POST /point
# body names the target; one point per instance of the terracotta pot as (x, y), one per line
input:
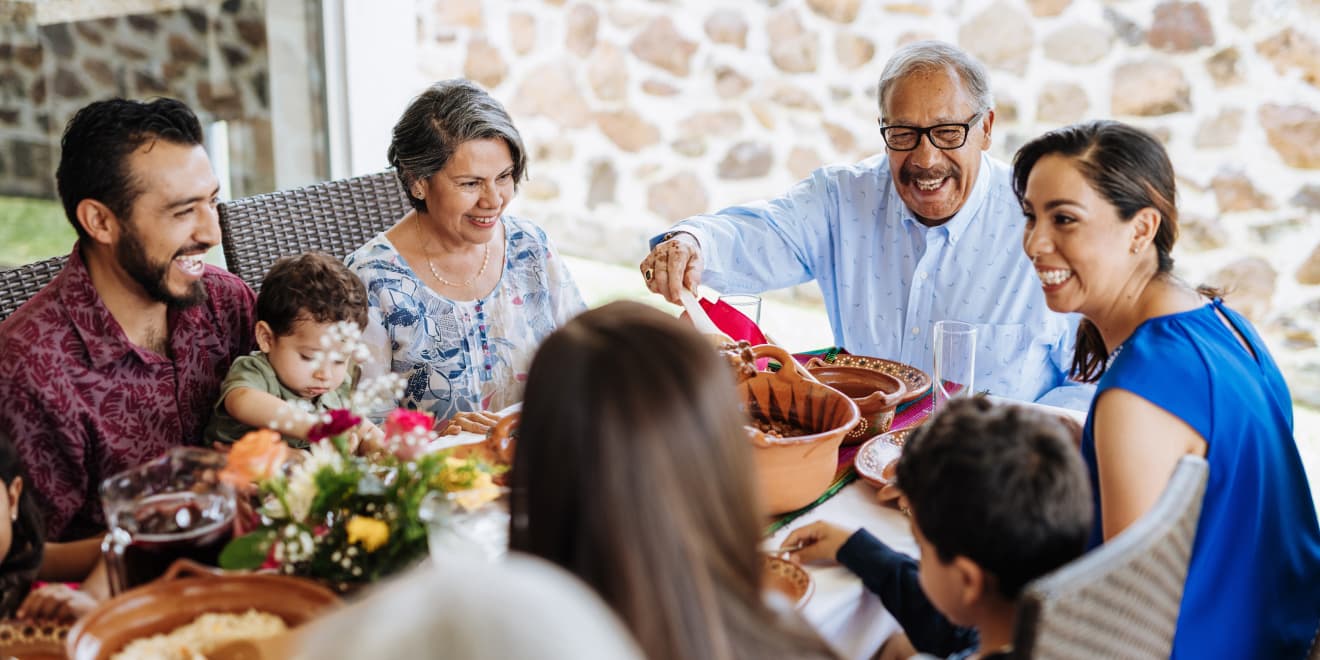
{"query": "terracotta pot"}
(793, 471)
(876, 394)
(186, 591)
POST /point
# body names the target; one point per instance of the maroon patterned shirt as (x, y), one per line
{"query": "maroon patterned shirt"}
(82, 402)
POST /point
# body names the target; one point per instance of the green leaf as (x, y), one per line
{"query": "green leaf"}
(247, 552)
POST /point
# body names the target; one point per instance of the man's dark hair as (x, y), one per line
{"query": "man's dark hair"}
(312, 286)
(1001, 485)
(98, 141)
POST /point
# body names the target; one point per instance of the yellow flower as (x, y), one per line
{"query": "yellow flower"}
(371, 532)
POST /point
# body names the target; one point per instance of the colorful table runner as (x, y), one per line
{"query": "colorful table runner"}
(907, 416)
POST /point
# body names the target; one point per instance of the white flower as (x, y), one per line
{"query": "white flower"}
(301, 484)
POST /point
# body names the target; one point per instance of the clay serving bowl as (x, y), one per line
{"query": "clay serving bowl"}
(793, 470)
(915, 380)
(877, 395)
(786, 579)
(187, 591)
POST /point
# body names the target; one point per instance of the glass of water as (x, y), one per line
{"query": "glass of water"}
(748, 304)
(955, 360)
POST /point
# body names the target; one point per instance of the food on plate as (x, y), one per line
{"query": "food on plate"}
(205, 634)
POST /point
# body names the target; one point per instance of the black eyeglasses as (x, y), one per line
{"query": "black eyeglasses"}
(942, 136)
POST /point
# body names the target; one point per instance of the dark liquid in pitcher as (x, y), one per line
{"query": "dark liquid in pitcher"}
(175, 526)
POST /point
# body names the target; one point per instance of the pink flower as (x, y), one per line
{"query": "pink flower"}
(402, 422)
(341, 420)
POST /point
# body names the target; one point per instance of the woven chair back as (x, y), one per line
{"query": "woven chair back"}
(19, 284)
(1120, 600)
(335, 217)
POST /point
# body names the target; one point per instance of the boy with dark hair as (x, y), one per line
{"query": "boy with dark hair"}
(998, 496)
(307, 307)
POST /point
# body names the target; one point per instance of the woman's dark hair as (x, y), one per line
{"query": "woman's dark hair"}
(633, 471)
(440, 119)
(27, 537)
(98, 141)
(314, 286)
(1130, 169)
(1001, 485)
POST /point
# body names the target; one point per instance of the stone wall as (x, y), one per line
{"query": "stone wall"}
(638, 113)
(210, 53)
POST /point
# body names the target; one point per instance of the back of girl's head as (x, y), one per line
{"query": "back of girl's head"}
(18, 567)
(1130, 169)
(633, 471)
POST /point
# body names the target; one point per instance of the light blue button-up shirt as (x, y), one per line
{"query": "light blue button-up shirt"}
(886, 278)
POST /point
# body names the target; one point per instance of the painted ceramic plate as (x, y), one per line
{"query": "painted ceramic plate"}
(876, 458)
(916, 380)
(787, 582)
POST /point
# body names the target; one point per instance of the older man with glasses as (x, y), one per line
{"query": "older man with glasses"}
(928, 231)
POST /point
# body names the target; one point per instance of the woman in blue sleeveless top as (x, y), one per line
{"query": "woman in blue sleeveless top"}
(1178, 373)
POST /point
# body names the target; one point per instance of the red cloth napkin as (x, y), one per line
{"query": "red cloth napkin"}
(732, 322)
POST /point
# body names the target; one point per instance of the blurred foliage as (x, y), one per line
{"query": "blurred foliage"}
(32, 229)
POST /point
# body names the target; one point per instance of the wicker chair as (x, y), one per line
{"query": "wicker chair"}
(1120, 600)
(17, 285)
(335, 217)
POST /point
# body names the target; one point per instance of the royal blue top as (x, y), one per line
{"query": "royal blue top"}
(1253, 585)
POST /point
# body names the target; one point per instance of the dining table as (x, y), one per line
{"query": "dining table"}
(850, 618)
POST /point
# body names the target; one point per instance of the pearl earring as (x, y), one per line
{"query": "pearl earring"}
(1136, 249)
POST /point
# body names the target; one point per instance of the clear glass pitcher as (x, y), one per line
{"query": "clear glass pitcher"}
(172, 507)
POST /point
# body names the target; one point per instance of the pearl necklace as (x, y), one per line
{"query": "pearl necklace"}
(426, 250)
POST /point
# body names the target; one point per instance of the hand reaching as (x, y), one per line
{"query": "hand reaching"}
(56, 602)
(819, 541)
(673, 265)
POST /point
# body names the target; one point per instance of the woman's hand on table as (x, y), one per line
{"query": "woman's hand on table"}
(480, 422)
(818, 541)
(56, 602)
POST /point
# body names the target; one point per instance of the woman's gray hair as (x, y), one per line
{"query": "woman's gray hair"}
(936, 55)
(440, 119)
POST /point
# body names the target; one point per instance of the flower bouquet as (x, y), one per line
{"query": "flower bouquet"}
(333, 515)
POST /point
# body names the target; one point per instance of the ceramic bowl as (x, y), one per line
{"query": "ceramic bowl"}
(915, 380)
(41, 640)
(786, 579)
(187, 591)
(876, 459)
(793, 471)
(876, 393)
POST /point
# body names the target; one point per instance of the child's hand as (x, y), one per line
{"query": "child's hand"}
(369, 439)
(56, 602)
(819, 541)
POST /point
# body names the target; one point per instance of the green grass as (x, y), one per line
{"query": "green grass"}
(31, 230)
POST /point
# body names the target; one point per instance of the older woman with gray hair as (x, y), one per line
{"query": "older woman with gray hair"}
(460, 293)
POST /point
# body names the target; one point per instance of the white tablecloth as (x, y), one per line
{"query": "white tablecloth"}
(848, 616)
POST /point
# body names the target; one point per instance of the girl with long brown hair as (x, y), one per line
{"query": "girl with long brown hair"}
(633, 471)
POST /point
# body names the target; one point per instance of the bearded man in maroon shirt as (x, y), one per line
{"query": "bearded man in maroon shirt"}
(121, 356)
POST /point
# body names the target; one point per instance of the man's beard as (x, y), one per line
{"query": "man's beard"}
(154, 277)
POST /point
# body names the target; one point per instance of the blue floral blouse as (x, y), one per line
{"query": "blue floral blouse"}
(464, 355)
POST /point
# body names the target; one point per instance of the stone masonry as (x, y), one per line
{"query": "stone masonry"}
(638, 113)
(210, 54)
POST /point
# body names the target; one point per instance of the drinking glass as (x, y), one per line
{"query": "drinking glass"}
(955, 360)
(748, 304)
(170, 508)
(456, 530)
